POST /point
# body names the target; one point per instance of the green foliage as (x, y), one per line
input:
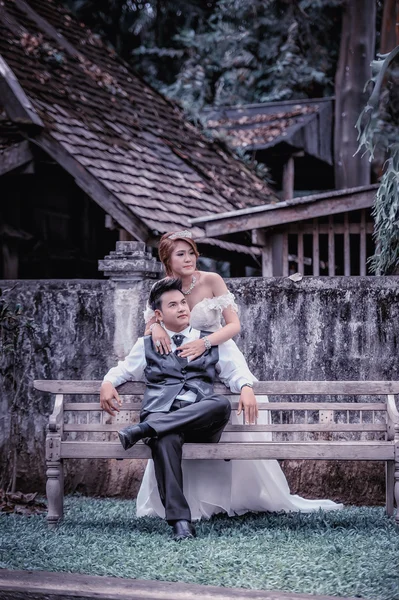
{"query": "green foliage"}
(386, 217)
(257, 51)
(143, 32)
(378, 127)
(224, 51)
(319, 553)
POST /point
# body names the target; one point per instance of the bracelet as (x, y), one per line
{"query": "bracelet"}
(207, 343)
(247, 385)
(153, 325)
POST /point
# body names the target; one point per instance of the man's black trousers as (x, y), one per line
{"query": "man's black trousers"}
(199, 422)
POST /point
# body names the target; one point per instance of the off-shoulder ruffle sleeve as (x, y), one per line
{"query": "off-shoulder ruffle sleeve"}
(148, 314)
(222, 302)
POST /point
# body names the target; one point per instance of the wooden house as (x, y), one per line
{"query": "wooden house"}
(293, 138)
(90, 154)
(315, 229)
(321, 234)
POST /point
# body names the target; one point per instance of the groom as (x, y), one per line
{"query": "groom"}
(179, 403)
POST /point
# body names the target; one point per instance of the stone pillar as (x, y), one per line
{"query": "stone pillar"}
(128, 267)
(130, 262)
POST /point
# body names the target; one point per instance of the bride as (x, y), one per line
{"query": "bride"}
(214, 486)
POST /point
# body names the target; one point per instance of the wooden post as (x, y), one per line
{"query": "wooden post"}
(285, 255)
(300, 250)
(263, 238)
(355, 55)
(347, 250)
(125, 236)
(316, 248)
(267, 258)
(390, 26)
(331, 247)
(277, 254)
(288, 179)
(363, 240)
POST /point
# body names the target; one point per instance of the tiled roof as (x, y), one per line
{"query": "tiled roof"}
(126, 135)
(305, 124)
(260, 130)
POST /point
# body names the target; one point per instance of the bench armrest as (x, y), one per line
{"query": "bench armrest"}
(56, 420)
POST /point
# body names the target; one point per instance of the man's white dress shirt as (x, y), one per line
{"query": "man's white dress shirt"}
(231, 372)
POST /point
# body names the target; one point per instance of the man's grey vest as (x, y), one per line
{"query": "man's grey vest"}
(167, 376)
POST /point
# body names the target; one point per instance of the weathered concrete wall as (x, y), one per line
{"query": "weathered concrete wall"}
(82, 326)
(318, 328)
(322, 329)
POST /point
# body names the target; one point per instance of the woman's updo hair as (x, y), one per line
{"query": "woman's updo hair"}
(166, 247)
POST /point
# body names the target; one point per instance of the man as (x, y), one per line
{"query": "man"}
(179, 403)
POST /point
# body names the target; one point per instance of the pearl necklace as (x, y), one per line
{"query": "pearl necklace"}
(192, 285)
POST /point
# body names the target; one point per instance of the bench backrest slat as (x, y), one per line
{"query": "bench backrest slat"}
(350, 388)
(270, 406)
(109, 427)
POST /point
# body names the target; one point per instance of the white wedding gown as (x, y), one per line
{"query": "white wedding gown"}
(235, 487)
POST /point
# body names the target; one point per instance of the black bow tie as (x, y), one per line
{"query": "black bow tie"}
(178, 339)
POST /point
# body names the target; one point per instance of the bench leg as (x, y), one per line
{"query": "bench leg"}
(55, 492)
(396, 488)
(389, 487)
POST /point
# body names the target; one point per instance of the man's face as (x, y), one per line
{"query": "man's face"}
(174, 312)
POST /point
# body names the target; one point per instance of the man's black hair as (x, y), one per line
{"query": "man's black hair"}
(160, 288)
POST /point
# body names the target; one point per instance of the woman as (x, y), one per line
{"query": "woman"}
(210, 486)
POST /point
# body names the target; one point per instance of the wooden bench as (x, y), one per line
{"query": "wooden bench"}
(298, 430)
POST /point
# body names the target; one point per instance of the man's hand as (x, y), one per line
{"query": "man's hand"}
(249, 404)
(108, 396)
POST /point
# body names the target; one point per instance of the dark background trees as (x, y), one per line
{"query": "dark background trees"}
(224, 51)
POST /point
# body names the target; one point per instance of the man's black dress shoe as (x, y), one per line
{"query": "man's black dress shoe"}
(129, 436)
(183, 530)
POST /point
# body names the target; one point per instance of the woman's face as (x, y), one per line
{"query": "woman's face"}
(183, 260)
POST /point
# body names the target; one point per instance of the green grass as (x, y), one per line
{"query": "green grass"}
(353, 552)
